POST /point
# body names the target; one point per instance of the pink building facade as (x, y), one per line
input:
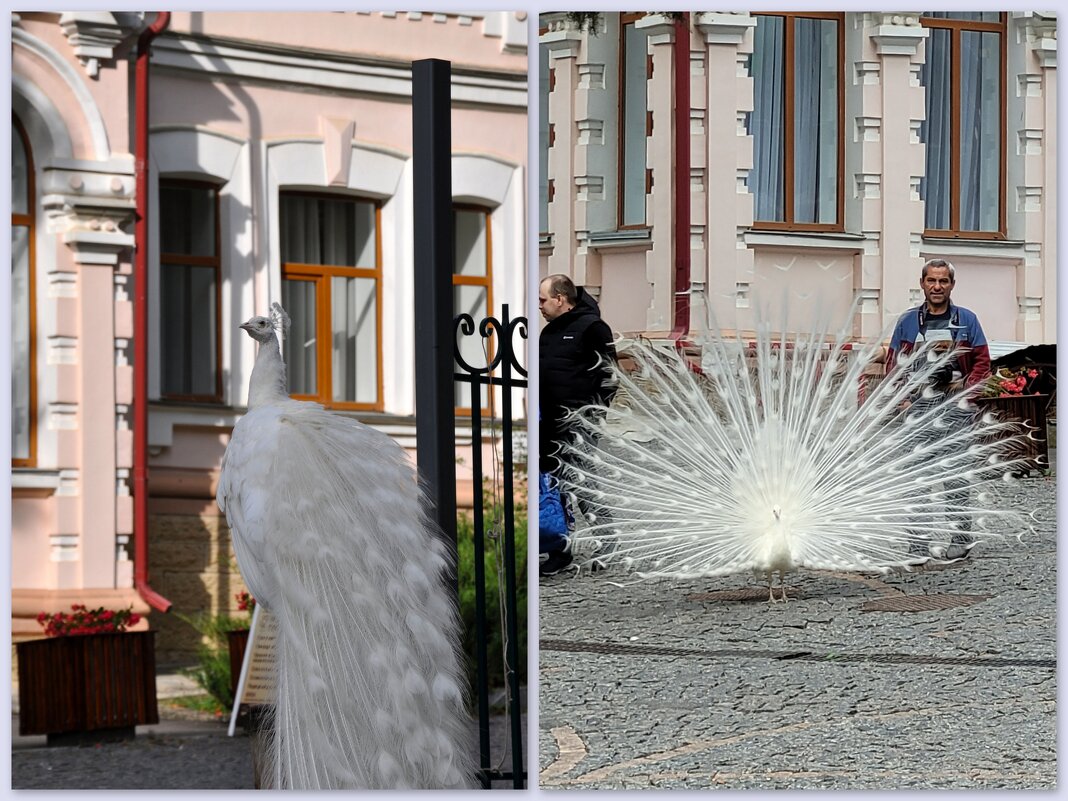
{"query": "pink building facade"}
(823, 156)
(280, 168)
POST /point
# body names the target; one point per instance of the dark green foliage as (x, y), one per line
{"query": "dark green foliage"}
(212, 671)
(494, 516)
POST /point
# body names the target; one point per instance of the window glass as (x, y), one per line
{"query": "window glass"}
(187, 219)
(767, 119)
(815, 121)
(20, 341)
(330, 275)
(470, 242)
(20, 174)
(635, 106)
(543, 138)
(189, 290)
(298, 298)
(188, 318)
(936, 128)
(980, 130)
(962, 75)
(334, 231)
(354, 338)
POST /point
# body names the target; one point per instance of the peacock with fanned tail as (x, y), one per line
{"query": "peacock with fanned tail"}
(332, 538)
(762, 458)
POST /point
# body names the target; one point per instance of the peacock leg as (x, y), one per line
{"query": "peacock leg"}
(782, 585)
(771, 590)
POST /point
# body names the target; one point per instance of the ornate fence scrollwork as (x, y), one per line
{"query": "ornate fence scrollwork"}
(502, 369)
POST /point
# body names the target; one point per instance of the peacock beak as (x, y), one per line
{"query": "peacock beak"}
(246, 325)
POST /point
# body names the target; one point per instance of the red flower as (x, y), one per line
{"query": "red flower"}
(1032, 373)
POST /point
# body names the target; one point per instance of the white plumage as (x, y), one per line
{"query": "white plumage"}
(767, 462)
(332, 538)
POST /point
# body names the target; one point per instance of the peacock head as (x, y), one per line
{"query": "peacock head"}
(260, 329)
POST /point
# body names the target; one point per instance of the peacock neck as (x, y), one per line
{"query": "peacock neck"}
(268, 382)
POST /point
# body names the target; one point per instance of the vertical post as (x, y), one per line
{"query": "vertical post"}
(433, 250)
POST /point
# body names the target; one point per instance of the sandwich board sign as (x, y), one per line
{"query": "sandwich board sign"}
(256, 684)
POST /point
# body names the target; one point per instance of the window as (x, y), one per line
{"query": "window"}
(796, 122)
(472, 282)
(963, 187)
(544, 137)
(634, 174)
(23, 317)
(331, 288)
(190, 284)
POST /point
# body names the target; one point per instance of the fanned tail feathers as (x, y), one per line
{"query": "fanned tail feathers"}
(764, 458)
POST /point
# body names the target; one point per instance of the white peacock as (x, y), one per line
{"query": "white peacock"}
(763, 458)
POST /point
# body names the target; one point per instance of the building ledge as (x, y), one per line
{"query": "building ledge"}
(38, 481)
(625, 238)
(822, 240)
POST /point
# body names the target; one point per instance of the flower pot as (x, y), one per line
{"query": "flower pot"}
(1024, 408)
(237, 640)
(103, 683)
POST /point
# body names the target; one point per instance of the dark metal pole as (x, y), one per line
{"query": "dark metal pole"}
(432, 179)
(511, 613)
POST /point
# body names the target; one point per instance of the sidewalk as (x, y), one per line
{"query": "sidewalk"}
(703, 684)
(184, 751)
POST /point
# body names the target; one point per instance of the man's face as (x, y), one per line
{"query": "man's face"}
(551, 306)
(937, 286)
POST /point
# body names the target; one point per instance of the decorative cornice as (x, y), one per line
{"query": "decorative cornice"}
(1040, 32)
(563, 36)
(94, 35)
(212, 56)
(660, 28)
(898, 33)
(725, 27)
(89, 208)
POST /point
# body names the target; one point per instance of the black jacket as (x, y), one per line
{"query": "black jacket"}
(573, 351)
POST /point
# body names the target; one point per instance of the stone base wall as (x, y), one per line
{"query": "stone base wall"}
(192, 564)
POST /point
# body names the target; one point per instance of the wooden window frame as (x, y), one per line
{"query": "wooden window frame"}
(550, 84)
(29, 220)
(626, 19)
(487, 282)
(321, 275)
(956, 27)
(215, 262)
(788, 126)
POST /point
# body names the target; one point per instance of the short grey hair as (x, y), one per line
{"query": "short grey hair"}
(939, 263)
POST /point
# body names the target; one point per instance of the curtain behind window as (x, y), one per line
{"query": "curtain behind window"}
(188, 291)
(936, 129)
(20, 340)
(632, 135)
(815, 121)
(980, 131)
(21, 275)
(543, 138)
(766, 120)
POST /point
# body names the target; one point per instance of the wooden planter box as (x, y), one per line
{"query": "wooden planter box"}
(237, 639)
(1029, 408)
(87, 683)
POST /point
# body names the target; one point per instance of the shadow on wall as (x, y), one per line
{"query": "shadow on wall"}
(191, 558)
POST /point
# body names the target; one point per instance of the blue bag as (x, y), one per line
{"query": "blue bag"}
(552, 521)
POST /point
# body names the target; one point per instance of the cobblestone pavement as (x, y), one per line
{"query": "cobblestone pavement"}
(757, 696)
(177, 754)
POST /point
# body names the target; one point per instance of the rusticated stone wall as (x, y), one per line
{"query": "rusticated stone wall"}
(192, 564)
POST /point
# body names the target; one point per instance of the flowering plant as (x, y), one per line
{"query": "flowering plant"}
(81, 620)
(245, 602)
(1008, 382)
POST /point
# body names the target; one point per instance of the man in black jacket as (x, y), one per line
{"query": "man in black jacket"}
(574, 350)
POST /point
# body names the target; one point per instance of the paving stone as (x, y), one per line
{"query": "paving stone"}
(751, 722)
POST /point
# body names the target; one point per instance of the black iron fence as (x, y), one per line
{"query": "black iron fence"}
(501, 373)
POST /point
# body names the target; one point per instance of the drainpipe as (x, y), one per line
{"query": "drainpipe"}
(682, 180)
(140, 400)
